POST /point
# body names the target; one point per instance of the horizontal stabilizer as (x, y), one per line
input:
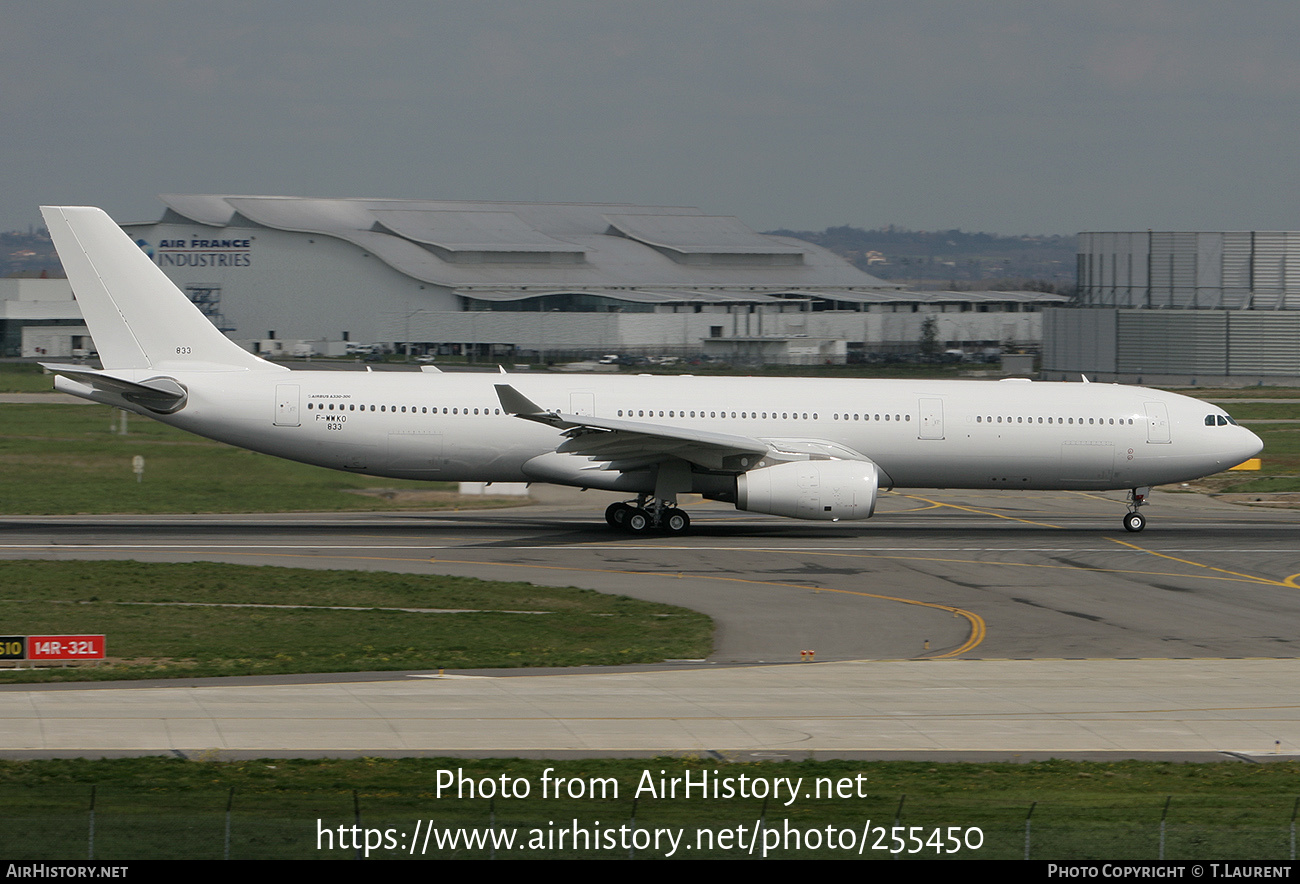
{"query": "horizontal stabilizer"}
(162, 395)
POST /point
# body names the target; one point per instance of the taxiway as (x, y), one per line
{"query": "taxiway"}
(971, 622)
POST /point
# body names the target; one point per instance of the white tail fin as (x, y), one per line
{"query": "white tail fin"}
(138, 318)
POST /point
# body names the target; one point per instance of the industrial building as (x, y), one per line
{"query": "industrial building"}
(546, 280)
(1175, 307)
(39, 318)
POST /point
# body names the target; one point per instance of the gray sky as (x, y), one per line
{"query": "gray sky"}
(1040, 116)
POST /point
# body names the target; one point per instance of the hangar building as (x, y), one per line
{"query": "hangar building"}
(1173, 307)
(39, 319)
(501, 279)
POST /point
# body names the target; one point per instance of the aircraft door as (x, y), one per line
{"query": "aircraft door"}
(286, 405)
(931, 419)
(1157, 422)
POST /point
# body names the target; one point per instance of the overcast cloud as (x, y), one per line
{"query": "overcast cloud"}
(1009, 117)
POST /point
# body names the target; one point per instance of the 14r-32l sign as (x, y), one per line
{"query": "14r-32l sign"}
(52, 647)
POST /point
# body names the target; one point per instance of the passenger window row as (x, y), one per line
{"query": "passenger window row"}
(744, 415)
(873, 417)
(400, 409)
(988, 419)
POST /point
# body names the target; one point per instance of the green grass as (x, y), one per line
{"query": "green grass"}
(67, 459)
(1265, 485)
(167, 807)
(173, 620)
(1280, 470)
(24, 377)
(1280, 465)
(1257, 392)
(1263, 410)
(1280, 458)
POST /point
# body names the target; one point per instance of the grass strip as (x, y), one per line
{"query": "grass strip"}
(57, 459)
(25, 377)
(167, 807)
(174, 620)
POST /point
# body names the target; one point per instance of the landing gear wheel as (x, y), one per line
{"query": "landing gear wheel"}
(676, 522)
(638, 521)
(616, 514)
(1134, 522)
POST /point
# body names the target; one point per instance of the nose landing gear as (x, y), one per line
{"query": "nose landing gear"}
(1134, 521)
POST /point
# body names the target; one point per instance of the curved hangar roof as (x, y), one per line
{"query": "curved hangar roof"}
(504, 251)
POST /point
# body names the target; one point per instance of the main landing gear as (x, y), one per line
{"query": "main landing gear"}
(1134, 521)
(647, 514)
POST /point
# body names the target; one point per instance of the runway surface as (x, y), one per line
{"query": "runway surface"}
(986, 622)
(959, 709)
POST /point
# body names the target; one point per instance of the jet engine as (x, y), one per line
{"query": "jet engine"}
(827, 490)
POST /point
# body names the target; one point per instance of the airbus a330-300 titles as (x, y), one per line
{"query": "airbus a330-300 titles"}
(803, 448)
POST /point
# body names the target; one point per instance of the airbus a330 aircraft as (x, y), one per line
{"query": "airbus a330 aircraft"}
(803, 448)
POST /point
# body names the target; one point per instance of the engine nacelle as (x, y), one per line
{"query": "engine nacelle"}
(827, 490)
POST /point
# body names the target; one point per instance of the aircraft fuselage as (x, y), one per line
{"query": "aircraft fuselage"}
(806, 448)
(953, 434)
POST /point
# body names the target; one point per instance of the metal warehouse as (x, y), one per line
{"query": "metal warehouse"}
(1181, 307)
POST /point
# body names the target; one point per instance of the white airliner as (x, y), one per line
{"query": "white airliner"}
(804, 448)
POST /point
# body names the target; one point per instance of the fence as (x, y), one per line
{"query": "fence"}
(79, 822)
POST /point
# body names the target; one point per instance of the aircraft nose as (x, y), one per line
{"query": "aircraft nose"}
(1251, 445)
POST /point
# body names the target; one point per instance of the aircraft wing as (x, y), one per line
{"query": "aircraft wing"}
(629, 444)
